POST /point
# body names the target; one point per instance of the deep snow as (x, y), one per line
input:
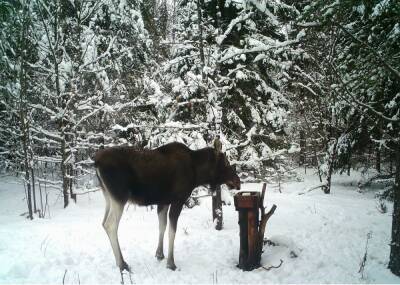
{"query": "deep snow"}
(326, 232)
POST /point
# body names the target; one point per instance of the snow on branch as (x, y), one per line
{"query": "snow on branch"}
(84, 118)
(169, 125)
(258, 49)
(43, 108)
(306, 87)
(379, 57)
(40, 130)
(103, 55)
(394, 119)
(394, 71)
(242, 17)
(308, 25)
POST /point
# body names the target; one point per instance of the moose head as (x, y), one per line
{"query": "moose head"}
(226, 172)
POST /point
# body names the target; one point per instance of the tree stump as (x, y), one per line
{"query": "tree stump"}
(250, 205)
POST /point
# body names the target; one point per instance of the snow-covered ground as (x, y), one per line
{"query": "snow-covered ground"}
(327, 233)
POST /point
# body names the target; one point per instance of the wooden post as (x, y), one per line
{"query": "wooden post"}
(252, 233)
(244, 250)
(217, 207)
(216, 190)
(252, 229)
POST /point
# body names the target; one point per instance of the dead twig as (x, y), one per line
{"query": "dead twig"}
(322, 186)
(89, 191)
(364, 260)
(65, 273)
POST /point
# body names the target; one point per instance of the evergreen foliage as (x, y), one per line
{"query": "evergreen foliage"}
(281, 82)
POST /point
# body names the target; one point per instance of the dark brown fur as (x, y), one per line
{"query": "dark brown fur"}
(163, 175)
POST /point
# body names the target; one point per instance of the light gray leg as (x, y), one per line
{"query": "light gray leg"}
(112, 217)
(107, 211)
(162, 211)
(174, 213)
(106, 196)
(111, 226)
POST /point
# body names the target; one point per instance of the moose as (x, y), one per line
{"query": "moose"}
(166, 177)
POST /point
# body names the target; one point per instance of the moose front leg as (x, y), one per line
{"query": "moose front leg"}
(162, 211)
(174, 213)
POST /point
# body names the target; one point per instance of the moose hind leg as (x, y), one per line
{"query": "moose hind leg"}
(111, 226)
(162, 211)
(106, 196)
(107, 210)
(174, 213)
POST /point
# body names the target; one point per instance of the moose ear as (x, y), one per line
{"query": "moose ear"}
(217, 145)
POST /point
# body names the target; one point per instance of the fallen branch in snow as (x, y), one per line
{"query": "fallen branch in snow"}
(322, 186)
(364, 260)
(24, 214)
(272, 266)
(381, 206)
(88, 191)
(65, 273)
(379, 178)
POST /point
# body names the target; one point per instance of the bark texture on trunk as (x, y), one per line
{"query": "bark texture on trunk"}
(331, 164)
(394, 262)
(217, 207)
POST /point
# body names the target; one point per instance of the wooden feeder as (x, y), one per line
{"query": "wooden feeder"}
(252, 228)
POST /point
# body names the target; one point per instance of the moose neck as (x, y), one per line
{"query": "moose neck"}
(204, 166)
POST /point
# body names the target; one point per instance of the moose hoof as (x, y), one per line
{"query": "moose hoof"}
(171, 266)
(124, 266)
(160, 255)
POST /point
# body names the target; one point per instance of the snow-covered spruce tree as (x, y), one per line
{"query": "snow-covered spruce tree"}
(107, 53)
(92, 57)
(234, 75)
(9, 134)
(17, 52)
(155, 19)
(181, 114)
(365, 74)
(129, 111)
(343, 140)
(257, 52)
(54, 105)
(368, 76)
(315, 106)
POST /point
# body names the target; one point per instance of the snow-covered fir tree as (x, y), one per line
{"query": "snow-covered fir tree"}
(365, 70)
(228, 69)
